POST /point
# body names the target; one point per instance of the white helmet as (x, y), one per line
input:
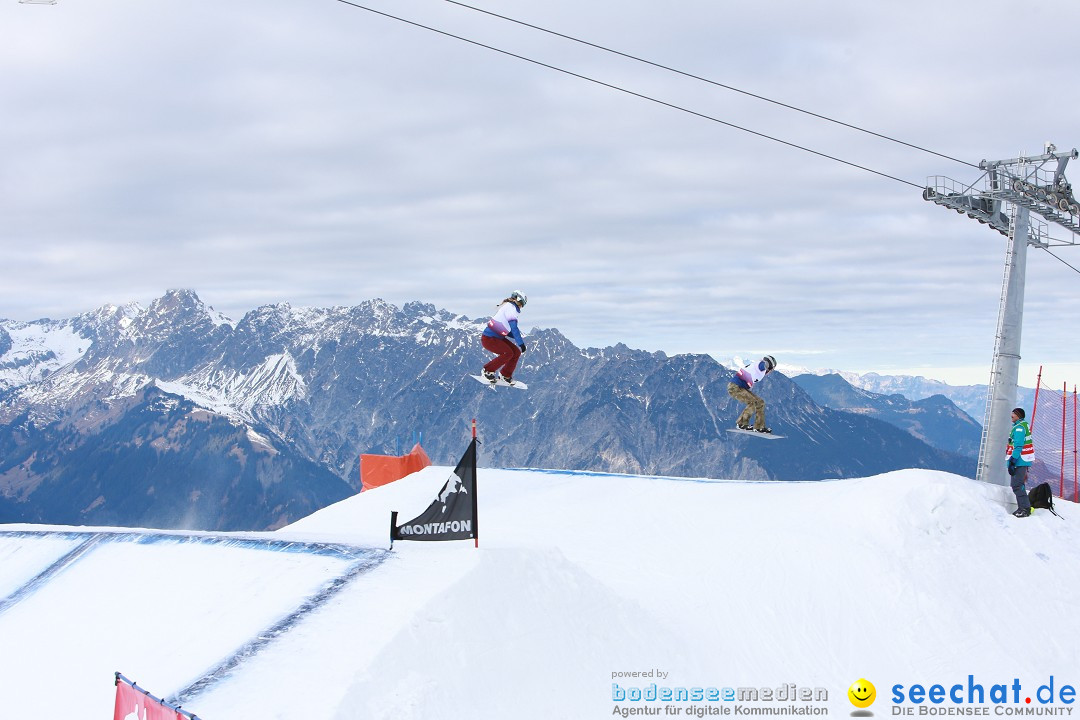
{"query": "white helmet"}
(519, 298)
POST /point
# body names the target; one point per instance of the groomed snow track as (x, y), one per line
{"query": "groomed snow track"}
(43, 567)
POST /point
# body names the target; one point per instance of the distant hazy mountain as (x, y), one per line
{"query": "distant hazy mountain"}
(934, 420)
(969, 398)
(174, 416)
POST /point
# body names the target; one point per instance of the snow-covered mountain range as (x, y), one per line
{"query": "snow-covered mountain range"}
(218, 424)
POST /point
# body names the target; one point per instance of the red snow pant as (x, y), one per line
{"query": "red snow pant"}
(506, 352)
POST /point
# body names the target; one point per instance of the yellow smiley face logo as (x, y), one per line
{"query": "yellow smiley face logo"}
(862, 693)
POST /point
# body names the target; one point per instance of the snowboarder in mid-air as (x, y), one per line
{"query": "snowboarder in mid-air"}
(502, 337)
(740, 388)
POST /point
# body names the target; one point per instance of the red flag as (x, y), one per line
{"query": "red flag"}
(132, 704)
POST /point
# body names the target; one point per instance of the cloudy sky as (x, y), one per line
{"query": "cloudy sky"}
(317, 153)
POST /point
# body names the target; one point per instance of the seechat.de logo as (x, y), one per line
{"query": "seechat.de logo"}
(862, 693)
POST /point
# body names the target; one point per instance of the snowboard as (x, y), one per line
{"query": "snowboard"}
(500, 382)
(755, 433)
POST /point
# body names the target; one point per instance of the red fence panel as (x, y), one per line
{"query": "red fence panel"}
(1054, 433)
(377, 470)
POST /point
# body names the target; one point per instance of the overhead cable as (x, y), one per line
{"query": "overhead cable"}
(1075, 270)
(630, 92)
(711, 82)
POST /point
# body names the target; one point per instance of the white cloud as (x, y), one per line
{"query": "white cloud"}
(321, 154)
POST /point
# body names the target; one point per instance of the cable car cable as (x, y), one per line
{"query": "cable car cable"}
(631, 92)
(1075, 270)
(711, 82)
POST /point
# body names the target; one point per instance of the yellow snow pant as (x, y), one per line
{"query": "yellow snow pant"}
(754, 406)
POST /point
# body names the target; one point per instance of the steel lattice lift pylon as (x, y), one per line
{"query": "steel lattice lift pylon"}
(1005, 197)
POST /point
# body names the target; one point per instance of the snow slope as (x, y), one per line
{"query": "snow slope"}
(909, 577)
(37, 349)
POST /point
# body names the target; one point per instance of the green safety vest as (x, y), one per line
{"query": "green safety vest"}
(1027, 450)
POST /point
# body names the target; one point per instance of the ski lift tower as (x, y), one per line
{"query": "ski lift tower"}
(1005, 198)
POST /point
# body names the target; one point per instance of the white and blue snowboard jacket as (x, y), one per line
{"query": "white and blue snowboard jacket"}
(746, 377)
(504, 323)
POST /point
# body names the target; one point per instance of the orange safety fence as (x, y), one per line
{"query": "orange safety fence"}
(1053, 423)
(377, 470)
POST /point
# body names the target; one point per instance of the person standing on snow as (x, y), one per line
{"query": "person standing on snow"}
(502, 337)
(1021, 453)
(740, 388)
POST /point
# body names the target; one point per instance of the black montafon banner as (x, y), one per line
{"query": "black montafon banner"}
(453, 514)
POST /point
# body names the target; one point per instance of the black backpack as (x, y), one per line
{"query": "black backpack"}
(1041, 496)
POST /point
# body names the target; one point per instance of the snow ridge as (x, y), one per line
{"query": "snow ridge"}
(226, 667)
(240, 394)
(38, 349)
